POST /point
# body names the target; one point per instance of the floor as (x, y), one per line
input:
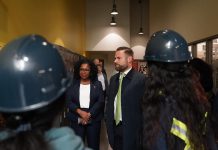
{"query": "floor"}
(103, 139)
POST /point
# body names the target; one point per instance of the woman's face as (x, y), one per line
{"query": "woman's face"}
(84, 71)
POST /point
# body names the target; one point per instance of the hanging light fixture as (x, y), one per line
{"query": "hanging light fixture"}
(114, 10)
(141, 11)
(113, 22)
(141, 31)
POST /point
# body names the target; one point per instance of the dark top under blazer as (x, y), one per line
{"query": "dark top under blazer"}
(133, 86)
(96, 106)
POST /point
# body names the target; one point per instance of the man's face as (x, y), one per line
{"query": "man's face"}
(96, 62)
(99, 67)
(121, 61)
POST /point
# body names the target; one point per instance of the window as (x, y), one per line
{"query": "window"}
(201, 50)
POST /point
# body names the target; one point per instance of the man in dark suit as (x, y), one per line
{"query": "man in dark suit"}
(102, 75)
(123, 111)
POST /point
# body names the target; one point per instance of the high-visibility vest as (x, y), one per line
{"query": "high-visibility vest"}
(179, 129)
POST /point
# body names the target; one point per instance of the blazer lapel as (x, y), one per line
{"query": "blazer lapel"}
(92, 86)
(127, 79)
(115, 85)
(77, 92)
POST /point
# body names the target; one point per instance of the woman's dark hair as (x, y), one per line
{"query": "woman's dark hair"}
(93, 69)
(172, 91)
(40, 121)
(205, 71)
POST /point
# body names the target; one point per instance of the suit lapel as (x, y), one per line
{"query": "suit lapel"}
(114, 85)
(76, 91)
(126, 80)
(92, 92)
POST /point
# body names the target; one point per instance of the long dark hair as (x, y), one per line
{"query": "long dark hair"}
(172, 90)
(93, 69)
(204, 71)
(40, 121)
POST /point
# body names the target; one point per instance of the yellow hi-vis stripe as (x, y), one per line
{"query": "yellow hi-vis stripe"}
(206, 114)
(179, 129)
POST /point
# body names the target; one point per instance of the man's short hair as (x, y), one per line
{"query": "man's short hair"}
(127, 50)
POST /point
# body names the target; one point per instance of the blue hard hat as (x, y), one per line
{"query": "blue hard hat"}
(32, 74)
(167, 46)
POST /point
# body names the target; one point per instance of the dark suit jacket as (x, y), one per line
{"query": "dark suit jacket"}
(105, 82)
(132, 93)
(96, 106)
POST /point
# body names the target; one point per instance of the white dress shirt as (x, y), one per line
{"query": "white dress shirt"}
(84, 95)
(101, 79)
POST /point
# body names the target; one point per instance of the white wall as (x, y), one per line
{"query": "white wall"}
(99, 34)
(101, 38)
(194, 19)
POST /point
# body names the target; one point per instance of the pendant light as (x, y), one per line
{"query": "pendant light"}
(113, 22)
(141, 17)
(114, 10)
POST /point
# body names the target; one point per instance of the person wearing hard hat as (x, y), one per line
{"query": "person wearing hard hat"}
(175, 107)
(32, 94)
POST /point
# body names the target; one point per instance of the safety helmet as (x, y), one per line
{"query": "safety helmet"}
(167, 46)
(32, 74)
